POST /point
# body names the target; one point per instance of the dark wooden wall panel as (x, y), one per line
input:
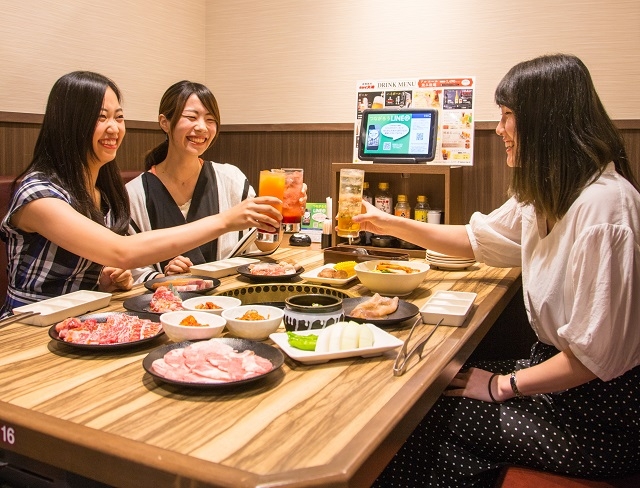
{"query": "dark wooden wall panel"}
(313, 148)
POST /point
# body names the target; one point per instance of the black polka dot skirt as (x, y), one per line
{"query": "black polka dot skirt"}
(592, 431)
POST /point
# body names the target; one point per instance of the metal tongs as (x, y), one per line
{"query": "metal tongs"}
(403, 358)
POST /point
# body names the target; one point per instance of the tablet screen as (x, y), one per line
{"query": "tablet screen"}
(398, 135)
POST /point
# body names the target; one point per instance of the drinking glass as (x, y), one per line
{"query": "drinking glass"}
(271, 185)
(349, 201)
(292, 210)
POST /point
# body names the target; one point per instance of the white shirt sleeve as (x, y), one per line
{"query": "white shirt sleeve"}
(496, 238)
(602, 311)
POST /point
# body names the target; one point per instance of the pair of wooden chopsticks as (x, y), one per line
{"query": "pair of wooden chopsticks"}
(403, 357)
(17, 317)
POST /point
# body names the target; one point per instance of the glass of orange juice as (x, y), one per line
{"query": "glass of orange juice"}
(271, 184)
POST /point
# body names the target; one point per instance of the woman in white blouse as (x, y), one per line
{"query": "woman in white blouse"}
(573, 225)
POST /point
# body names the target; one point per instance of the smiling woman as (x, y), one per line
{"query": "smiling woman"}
(69, 210)
(179, 187)
(109, 131)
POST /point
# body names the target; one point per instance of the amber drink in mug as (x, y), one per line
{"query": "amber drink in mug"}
(271, 185)
(349, 201)
(292, 209)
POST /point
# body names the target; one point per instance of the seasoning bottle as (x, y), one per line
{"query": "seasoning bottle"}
(421, 209)
(366, 194)
(383, 199)
(402, 209)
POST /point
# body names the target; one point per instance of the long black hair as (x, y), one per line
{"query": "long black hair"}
(564, 137)
(65, 144)
(171, 106)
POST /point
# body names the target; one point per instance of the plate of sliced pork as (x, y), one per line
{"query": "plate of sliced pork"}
(214, 363)
(267, 272)
(107, 331)
(378, 310)
(184, 283)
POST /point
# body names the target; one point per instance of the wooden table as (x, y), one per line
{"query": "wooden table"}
(336, 424)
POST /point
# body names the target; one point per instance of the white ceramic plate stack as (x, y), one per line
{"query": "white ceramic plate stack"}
(445, 262)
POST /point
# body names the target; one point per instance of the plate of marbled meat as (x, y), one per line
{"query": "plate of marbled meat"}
(213, 363)
(107, 331)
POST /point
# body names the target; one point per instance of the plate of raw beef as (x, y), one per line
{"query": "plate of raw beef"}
(214, 363)
(107, 331)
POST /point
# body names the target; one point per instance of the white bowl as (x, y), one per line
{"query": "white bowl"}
(391, 284)
(256, 330)
(219, 300)
(177, 333)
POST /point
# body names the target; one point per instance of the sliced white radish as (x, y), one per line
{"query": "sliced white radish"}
(350, 336)
(324, 337)
(336, 336)
(366, 337)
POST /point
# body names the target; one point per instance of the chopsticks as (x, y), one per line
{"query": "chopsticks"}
(400, 365)
(17, 317)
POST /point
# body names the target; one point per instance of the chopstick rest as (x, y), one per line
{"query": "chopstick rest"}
(400, 364)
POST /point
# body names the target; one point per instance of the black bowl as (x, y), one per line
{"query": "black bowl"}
(315, 311)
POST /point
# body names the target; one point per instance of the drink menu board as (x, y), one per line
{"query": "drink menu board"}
(452, 97)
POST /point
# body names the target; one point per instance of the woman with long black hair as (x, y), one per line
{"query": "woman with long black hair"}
(573, 225)
(69, 213)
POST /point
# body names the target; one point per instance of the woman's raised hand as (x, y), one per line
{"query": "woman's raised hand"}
(373, 219)
(253, 212)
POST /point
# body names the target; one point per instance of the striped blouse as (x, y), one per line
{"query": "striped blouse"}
(37, 268)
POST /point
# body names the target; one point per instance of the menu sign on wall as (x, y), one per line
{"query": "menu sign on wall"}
(452, 97)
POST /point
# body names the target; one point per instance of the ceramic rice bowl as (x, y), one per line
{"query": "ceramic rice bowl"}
(391, 284)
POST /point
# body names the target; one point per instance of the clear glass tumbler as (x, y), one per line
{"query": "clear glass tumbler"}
(292, 210)
(271, 185)
(349, 201)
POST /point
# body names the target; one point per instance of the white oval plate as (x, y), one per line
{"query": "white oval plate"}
(313, 277)
(382, 341)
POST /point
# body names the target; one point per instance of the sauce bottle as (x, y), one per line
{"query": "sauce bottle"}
(421, 209)
(383, 199)
(403, 209)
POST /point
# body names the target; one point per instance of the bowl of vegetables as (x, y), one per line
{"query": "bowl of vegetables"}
(211, 304)
(253, 322)
(189, 325)
(391, 278)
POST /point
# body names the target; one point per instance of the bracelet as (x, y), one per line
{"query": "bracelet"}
(489, 387)
(514, 385)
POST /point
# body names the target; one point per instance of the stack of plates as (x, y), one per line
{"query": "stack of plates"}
(446, 262)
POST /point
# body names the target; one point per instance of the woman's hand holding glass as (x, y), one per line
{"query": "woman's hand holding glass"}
(258, 212)
(374, 220)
